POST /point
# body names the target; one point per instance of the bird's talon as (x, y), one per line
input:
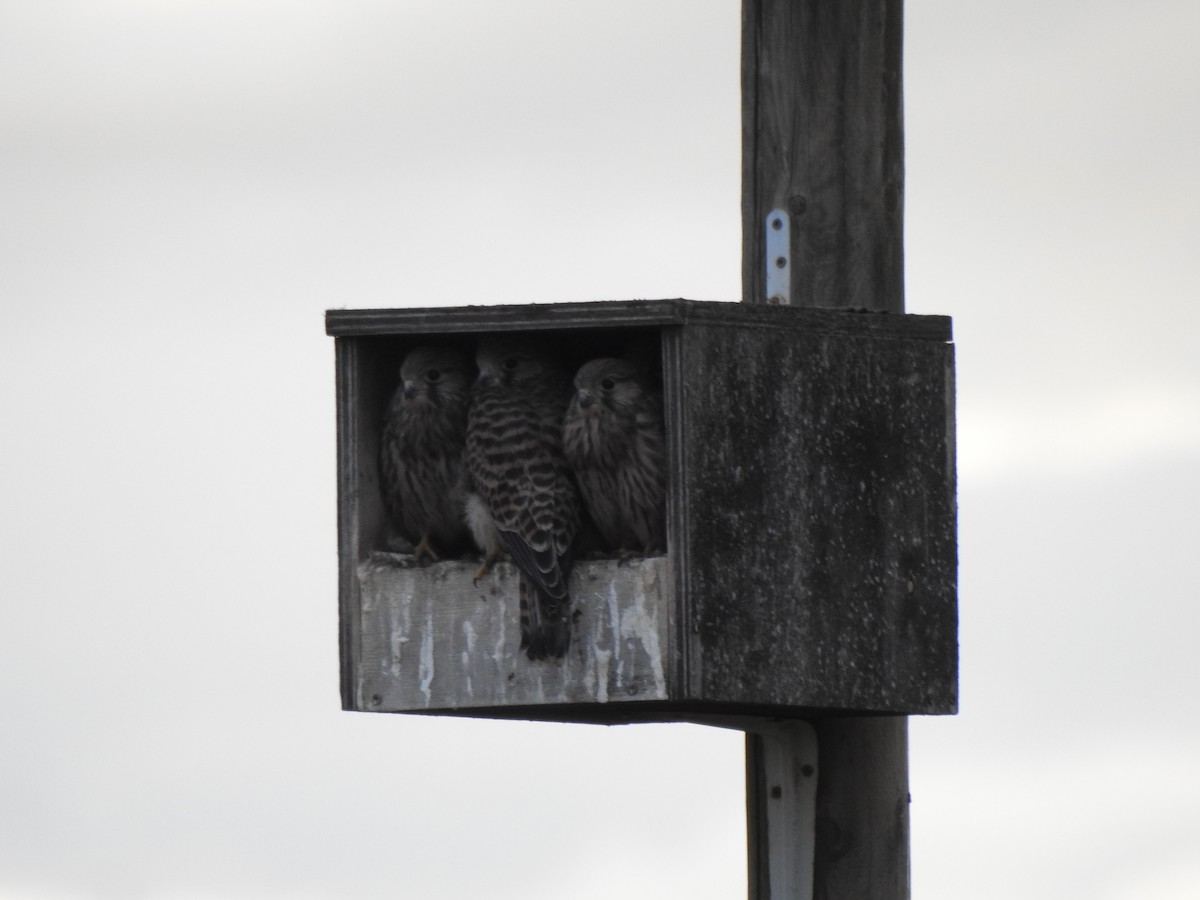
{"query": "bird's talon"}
(424, 549)
(489, 560)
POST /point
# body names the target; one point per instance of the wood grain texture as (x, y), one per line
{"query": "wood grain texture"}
(433, 638)
(862, 841)
(820, 535)
(350, 514)
(604, 315)
(823, 138)
(782, 779)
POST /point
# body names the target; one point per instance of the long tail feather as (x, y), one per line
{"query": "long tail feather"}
(545, 623)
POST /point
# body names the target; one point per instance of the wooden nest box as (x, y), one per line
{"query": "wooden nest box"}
(811, 563)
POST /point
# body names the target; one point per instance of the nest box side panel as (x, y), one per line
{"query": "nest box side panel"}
(820, 530)
(349, 477)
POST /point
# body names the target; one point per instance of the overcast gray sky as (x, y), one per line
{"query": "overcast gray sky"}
(185, 187)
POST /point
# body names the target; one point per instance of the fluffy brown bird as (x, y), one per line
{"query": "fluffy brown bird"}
(517, 467)
(421, 452)
(613, 439)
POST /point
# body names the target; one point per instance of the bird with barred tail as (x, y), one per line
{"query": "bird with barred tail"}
(516, 464)
(421, 452)
(613, 439)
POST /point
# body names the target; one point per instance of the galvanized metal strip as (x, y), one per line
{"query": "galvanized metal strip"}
(778, 258)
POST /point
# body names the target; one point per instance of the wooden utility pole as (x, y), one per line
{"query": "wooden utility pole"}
(823, 140)
(807, 594)
(822, 223)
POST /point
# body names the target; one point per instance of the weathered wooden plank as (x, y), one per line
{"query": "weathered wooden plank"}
(862, 809)
(820, 538)
(622, 314)
(435, 639)
(781, 785)
(510, 317)
(823, 139)
(350, 514)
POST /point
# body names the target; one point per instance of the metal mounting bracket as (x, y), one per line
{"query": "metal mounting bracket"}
(778, 258)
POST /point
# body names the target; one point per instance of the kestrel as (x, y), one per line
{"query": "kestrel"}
(516, 463)
(613, 439)
(421, 452)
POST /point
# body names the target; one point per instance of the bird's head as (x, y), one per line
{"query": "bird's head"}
(435, 375)
(512, 363)
(613, 384)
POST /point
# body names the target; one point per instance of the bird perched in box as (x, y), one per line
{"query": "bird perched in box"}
(421, 452)
(516, 463)
(613, 439)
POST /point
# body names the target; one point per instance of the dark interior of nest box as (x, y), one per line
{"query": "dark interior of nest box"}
(377, 375)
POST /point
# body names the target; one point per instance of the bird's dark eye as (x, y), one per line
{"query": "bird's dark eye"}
(510, 364)
(433, 375)
(608, 384)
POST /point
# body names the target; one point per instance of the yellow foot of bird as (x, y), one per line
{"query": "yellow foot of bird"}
(489, 560)
(424, 549)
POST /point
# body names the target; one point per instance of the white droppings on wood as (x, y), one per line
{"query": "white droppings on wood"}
(604, 656)
(468, 634)
(597, 675)
(399, 639)
(467, 655)
(426, 667)
(639, 622)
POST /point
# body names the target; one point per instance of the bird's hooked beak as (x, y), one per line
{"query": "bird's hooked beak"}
(485, 377)
(409, 389)
(584, 399)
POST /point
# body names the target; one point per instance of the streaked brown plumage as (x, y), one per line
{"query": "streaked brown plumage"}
(421, 451)
(613, 439)
(516, 463)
